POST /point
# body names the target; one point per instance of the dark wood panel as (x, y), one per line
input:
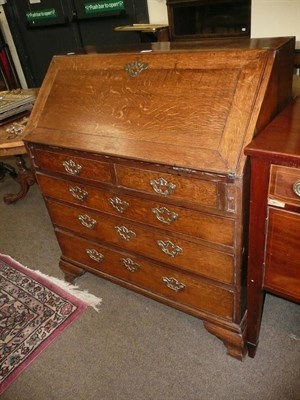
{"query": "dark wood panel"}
(282, 269)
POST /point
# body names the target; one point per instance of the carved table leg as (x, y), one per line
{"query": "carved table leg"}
(24, 177)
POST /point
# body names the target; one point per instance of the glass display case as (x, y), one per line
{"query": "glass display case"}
(208, 18)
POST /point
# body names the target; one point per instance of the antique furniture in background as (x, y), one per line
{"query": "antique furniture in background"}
(140, 158)
(274, 237)
(147, 32)
(15, 108)
(198, 19)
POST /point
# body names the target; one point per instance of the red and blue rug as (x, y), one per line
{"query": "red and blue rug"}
(33, 312)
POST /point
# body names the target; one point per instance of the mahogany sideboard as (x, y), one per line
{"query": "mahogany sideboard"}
(274, 236)
(140, 158)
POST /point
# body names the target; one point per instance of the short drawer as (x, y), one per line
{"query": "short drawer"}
(169, 217)
(148, 275)
(282, 260)
(284, 185)
(156, 244)
(72, 165)
(169, 186)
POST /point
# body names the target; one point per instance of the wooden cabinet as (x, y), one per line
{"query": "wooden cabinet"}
(140, 159)
(274, 239)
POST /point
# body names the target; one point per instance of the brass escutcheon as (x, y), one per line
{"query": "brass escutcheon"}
(162, 186)
(130, 265)
(135, 68)
(78, 193)
(125, 233)
(164, 215)
(95, 255)
(118, 204)
(72, 168)
(87, 221)
(169, 248)
(173, 284)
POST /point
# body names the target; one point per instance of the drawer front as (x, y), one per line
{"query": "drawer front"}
(171, 284)
(169, 186)
(284, 185)
(168, 217)
(72, 165)
(282, 263)
(153, 243)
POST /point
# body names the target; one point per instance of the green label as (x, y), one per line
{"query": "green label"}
(41, 14)
(104, 6)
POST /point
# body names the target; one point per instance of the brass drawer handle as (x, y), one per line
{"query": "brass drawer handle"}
(173, 284)
(95, 255)
(162, 187)
(169, 248)
(125, 233)
(130, 265)
(118, 204)
(296, 188)
(78, 193)
(164, 215)
(87, 221)
(72, 168)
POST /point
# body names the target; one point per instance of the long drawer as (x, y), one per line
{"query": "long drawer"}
(169, 217)
(146, 274)
(156, 244)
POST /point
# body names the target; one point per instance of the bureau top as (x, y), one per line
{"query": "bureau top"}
(191, 105)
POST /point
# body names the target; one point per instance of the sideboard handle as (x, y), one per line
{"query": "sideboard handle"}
(296, 188)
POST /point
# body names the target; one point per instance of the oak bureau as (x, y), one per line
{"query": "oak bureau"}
(139, 156)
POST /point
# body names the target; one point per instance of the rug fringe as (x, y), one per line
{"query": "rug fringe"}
(83, 295)
(88, 298)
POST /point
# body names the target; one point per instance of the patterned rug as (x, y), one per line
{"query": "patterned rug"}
(33, 311)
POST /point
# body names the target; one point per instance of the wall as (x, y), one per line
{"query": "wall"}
(157, 10)
(275, 18)
(269, 17)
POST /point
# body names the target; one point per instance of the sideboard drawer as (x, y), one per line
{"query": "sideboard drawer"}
(169, 186)
(284, 185)
(153, 243)
(282, 262)
(161, 280)
(73, 165)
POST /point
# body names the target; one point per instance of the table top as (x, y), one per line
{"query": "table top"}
(140, 28)
(11, 135)
(281, 138)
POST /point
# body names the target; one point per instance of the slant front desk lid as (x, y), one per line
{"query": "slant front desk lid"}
(191, 105)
